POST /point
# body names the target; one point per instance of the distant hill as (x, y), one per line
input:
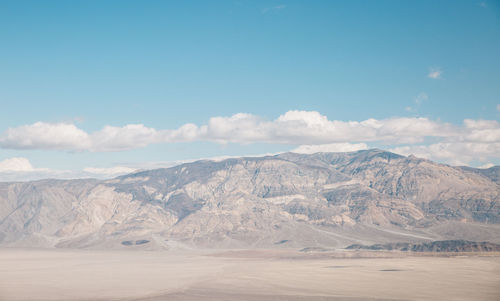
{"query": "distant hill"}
(435, 246)
(284, 201)
(493, 173)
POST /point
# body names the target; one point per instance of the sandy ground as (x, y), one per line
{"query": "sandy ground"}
(248, 275)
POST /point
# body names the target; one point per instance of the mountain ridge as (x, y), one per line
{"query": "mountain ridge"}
(305, 200)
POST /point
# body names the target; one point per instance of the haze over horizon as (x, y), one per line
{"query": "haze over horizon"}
(92, 88)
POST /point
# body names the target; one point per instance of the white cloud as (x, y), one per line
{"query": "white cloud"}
(16, 164)
(293, 127)
(481, 131)
(21, 169)
(112, 138)
(498, 107)
(332, 147)
(435, 73)
(474, 138)
(41, 135)
(64, 136)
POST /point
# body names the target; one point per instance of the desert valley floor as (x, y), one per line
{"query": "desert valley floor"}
(33, 274)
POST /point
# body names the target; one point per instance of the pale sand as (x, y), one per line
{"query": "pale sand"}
(139, 275)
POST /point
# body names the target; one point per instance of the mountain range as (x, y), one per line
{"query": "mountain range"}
(284, 201)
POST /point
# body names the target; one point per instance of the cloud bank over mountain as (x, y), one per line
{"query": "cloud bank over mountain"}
(21, 169)
(308, 131)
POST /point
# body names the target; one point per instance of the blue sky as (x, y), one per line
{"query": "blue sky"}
(164, 64)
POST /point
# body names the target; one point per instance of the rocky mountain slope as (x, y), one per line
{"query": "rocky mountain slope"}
(287, 200)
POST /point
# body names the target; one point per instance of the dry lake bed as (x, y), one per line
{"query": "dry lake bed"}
(30, 274)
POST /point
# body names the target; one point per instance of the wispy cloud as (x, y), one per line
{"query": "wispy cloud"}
(273, 8)
(498, 107)
(21, 169)
(487, 165)
(421, 97)
(455, 153)
(109, 171)
(418, 100)
(435, 73)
